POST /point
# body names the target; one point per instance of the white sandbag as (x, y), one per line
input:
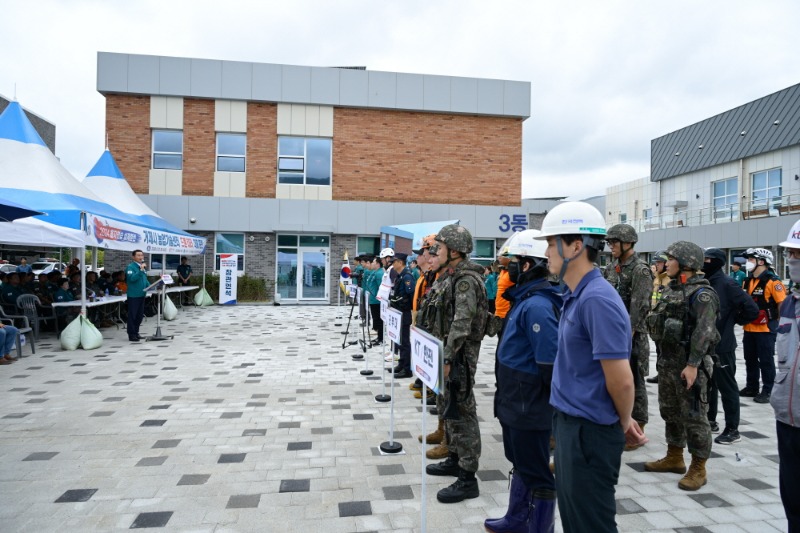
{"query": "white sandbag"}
(170, 311)
(202, 298)
(91, 337)
(71, 336)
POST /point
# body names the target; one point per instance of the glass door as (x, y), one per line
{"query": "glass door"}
(287, 273)
(313, 275)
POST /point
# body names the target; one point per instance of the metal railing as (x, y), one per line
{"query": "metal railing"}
(747, 209)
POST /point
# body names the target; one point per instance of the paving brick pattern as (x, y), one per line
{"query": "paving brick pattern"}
(221, 430)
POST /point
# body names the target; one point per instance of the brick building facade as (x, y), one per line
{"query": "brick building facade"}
(218, 147)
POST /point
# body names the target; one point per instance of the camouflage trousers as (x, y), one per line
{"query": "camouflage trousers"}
(464, 435)
(684, 424)
(640, 366)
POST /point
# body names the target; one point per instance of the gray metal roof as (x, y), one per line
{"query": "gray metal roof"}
(721, 136)
(343, 87)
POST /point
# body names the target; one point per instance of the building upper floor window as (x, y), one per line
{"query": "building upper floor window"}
(231, 152)
(304, 161)
(168, 149)
(623, 218)
(766, 187)
(726, 197)
(647, 214)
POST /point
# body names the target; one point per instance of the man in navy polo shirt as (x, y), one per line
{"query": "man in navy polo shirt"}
(592, 390)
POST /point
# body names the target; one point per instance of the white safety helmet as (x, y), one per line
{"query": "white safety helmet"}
(386, 252)
(760, 253)
(504, 248)
(793, 239)
(527, 245)
(574, 218)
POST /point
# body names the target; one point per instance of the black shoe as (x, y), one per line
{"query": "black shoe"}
(134, 339)
(465, 487)
(654, 379)
(448, 467)
(729, 436)
(762, 397)
(394, 370)
(434, 411)
(405, 373)
(431, 399)
(714, 427)
(748, 392)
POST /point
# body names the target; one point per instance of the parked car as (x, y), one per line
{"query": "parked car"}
(8, 268)
(45, 267)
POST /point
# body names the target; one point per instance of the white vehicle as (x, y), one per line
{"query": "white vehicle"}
(45, 267)
(8, 268)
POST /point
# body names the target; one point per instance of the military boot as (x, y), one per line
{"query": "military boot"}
(437, 436)
(631, 447)
(448, 467)
(696, 476)
(465, 487)
(519, 510)
(673, 462)
(439, 452)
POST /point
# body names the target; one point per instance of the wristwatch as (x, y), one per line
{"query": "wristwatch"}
(448, 362)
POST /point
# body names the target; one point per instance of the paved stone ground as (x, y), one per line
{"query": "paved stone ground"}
(255, 419)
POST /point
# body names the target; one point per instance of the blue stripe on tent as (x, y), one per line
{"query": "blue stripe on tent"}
(14, 125)
(106, 167)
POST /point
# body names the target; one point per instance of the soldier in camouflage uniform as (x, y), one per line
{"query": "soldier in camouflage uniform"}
(683, 324)
(633, 280)
(456, 311)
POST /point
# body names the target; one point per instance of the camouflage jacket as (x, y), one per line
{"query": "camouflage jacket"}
(633, 280)
(455, 310)
(684, 322)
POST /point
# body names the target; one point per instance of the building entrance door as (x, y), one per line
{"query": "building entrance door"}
(313, 274)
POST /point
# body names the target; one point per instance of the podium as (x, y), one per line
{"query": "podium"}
(159, 288)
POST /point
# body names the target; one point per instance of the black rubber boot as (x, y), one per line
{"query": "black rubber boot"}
(464, 488)
(448, 467)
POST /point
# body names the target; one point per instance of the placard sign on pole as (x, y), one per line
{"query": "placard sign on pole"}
(426, 358)
(352, 291)
(394, 319)
(384, 309)
(384, 291)
(227, 279)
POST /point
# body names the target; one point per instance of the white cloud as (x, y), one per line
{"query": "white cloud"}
(607, 77)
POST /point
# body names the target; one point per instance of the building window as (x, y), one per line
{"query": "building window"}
(304, 161)
(483, 251)
(766, 188)
(726, 197)
(231, 152)
(229, 243)
(623, 218)
(647, 214)
(368, 245)
(168, 149)
(164, 262)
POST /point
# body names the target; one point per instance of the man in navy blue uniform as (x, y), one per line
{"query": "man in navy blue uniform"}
(401, 299)
(525, 359)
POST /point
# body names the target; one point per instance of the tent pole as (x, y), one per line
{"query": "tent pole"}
(83, 283)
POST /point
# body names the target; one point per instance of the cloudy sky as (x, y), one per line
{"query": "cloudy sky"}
(607, 76)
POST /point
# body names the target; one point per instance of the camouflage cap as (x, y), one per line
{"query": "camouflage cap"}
(660, 255)
(622, 233)
(715, 253)
(456, 238)
(688, 254)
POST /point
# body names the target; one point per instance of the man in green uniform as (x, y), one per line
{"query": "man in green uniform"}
(684, 325)
(456, 312)
(136, 279)
(632, 278)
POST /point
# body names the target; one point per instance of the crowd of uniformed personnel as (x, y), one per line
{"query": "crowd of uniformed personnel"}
(573, 355)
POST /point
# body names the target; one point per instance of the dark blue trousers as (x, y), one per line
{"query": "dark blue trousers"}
(789, 473)
(405, 341)
(135, 316)
(759, 355)
(529, 451)
(587, 457)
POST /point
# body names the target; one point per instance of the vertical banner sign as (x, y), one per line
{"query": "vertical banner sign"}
(227, 279)
(384, 309)
(426, 358)
(393, 320)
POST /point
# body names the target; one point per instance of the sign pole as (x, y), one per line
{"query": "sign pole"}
(395, 319)
(424, 504)
(366, 371)
(383, 398)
